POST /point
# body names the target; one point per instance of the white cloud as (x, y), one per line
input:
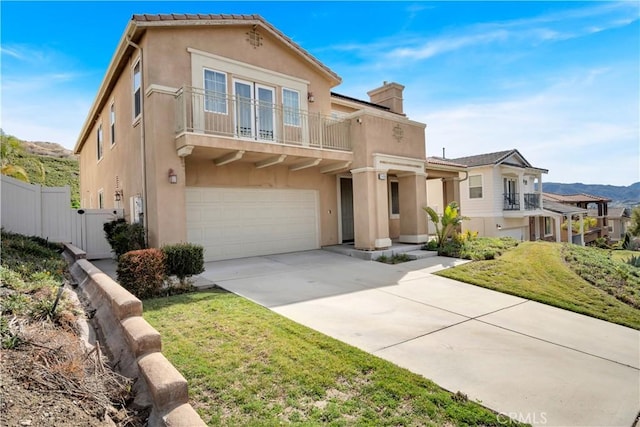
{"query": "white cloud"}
(570, 128)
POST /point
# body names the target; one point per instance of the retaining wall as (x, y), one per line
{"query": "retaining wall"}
(134, 346)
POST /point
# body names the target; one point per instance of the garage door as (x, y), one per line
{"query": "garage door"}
(516, 233)
(243, 222)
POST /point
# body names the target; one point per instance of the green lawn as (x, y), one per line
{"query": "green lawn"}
(537, 271)
(249, 366)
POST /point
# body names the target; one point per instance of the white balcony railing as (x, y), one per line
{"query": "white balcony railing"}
(198, 111)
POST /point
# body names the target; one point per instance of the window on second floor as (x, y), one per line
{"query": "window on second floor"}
(475, 187)
(137, 90)
(112, 122)
(101, 199)
(99, 142)
(291, 104)
(215, 87)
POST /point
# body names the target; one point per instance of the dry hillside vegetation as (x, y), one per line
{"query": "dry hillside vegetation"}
(50, 376)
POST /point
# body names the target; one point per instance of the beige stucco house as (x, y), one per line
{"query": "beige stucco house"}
(501, 194)
(220, 130)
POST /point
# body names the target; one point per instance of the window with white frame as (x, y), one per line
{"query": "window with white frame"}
(394, 198)
(99, 142)
(112, 123)
(137, 90)
(547, 226)
(291, 105)
(475, 187)
(215, 87)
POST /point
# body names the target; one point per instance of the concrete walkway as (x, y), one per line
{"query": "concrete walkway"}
(530, 361)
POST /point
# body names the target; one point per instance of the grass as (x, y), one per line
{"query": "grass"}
(537, 271)
(249, 366)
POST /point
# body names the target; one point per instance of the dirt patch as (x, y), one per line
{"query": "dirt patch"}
(49, 377)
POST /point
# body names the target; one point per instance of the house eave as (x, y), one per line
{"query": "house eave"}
(108, 81)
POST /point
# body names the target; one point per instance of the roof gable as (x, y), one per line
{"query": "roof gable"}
(195, 20)
(507, 157)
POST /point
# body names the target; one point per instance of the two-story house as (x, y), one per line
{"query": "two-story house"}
(222, 131)
(501, 194)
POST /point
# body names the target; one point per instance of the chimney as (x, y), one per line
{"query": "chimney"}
(389, 95)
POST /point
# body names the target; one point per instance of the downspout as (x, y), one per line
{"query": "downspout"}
(143, 145)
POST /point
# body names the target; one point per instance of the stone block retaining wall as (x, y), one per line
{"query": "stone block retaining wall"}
(134, 346)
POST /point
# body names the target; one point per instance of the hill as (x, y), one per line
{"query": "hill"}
(619, 195)
(48, 164)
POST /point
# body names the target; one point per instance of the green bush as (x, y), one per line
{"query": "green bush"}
(633, 261)
(124, 237)
(431, 245)
(142, 272)
(450, 249)
(184, 259)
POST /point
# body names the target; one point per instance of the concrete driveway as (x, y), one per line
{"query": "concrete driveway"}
(533, 362)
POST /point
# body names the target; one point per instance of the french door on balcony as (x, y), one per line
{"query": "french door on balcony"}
(511, 201)
(254, 110)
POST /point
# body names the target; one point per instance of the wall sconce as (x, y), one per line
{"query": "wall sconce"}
(173, 178)
(118, 195)
(499, 227)
(310, 97)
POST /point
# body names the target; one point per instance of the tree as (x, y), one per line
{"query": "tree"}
(446, 224)
(634, 228)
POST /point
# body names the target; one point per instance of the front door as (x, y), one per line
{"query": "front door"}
(346, 206)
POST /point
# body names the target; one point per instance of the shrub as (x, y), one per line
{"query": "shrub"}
(450, 249)
(634, 261)
(142, 272)
(431, 245)
(383, 258)
(184, 259)
(124, 237)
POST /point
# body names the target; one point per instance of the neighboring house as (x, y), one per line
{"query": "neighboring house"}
(559, 214)
(221, 131)
(618, 221)
(443, 184)
(585, 202)
(501, 194)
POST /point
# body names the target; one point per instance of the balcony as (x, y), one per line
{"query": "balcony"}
(511, 202)
(252, 120)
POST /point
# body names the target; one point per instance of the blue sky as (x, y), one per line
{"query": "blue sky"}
(559, 81)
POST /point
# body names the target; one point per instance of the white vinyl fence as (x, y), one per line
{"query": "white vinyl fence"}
(34, 210)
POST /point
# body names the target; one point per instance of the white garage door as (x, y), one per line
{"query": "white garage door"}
(516, 233)
(243, 222)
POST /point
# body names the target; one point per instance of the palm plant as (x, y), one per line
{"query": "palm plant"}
(447, 223)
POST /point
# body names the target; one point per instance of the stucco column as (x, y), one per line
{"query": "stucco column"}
(370, 209)
(520, 186)
(581, 230)
(558, 222)
(413, 197)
